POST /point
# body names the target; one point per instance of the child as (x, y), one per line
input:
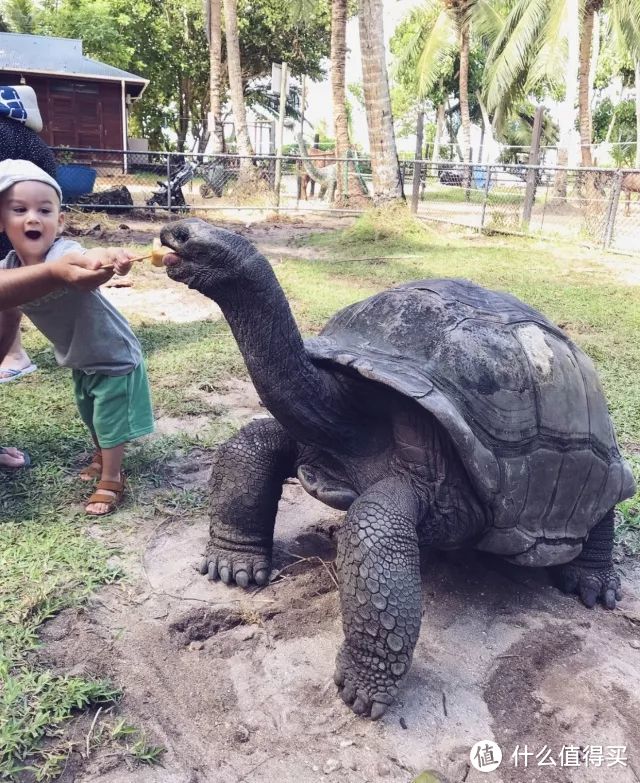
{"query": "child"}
(88, 334)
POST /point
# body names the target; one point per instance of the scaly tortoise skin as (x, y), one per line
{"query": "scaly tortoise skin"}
(437, 414)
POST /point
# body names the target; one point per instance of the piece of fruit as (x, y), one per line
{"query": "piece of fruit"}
(158, 252)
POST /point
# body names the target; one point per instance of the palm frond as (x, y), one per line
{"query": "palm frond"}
(625, 26)
(488, 22)
(419, 22)
(514, 49)
(550, 61)
(438, 45)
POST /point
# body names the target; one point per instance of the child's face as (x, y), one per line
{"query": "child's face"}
(31, 218)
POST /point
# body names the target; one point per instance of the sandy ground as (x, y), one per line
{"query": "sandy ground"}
(237, 685)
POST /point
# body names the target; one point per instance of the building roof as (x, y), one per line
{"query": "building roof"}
(59, 57)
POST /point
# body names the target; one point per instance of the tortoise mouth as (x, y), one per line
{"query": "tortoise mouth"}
(172, 260)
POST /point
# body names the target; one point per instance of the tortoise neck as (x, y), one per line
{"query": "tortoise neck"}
(307, 400)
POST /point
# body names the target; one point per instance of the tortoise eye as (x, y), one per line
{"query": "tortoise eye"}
(181, 234)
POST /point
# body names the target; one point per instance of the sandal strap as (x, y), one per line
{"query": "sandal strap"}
(100, 497)
(111, 486)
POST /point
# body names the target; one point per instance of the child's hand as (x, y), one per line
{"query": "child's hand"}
(116, 257)
(80, 271)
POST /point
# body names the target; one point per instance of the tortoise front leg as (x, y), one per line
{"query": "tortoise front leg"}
(246, 484)
(378, 566)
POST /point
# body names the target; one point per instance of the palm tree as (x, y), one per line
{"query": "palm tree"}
(245, 150)
(589, 21)
(387, 184)
(441, 30)
(460, 12)
(338, 89)
(544, 38)
(539, 42)
(215, 74)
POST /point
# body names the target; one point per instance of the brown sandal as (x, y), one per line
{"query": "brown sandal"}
(94, 470)
(100, 496)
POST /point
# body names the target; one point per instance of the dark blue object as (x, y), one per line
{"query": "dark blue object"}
(75, 180)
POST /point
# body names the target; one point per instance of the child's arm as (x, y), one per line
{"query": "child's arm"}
(18, 286)
(117, 256)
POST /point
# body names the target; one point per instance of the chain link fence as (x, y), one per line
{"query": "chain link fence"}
(590, 205)
(571, 204)
(117, 182)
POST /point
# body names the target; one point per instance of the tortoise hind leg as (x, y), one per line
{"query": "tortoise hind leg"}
(592, 575)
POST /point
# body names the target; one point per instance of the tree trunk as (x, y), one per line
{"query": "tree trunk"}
(567, 113)
(464, 92)
(215, 76)
(183, 108)
(439, 130)
(338, 91)
(245, 150)
(387, 185)
(584, 90)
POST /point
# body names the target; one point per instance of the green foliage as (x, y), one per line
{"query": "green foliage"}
(623, 130)
(164, 41)
(427, 63)
(268, 34)
(393, 222)
(20, 16)
(517, 131)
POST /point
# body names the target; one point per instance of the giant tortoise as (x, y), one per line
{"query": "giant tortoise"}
(438, 414)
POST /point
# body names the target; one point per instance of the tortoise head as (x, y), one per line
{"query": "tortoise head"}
(206, 257)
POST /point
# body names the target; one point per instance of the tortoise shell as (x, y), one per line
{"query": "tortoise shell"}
(521, 402)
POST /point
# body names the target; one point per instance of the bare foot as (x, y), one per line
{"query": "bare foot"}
(11, 457)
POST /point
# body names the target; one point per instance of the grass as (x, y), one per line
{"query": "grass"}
(47, 560)
(455, 194)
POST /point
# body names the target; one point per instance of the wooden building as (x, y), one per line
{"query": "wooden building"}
(83, 102)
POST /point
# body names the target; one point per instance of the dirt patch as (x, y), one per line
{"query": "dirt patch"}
(173, 303)
(237, 685)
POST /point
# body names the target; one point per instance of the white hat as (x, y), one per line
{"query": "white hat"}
(19, 102)
(12, 171)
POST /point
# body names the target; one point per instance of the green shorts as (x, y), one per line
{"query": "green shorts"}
(116, 408)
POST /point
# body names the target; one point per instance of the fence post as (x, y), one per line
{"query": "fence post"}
(612, 210)
(532, 173)
(486, 195)
(345, 175)
(169, 182)
(417, 164)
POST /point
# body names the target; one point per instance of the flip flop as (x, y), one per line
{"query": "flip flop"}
(13, 375)
(26, 460)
